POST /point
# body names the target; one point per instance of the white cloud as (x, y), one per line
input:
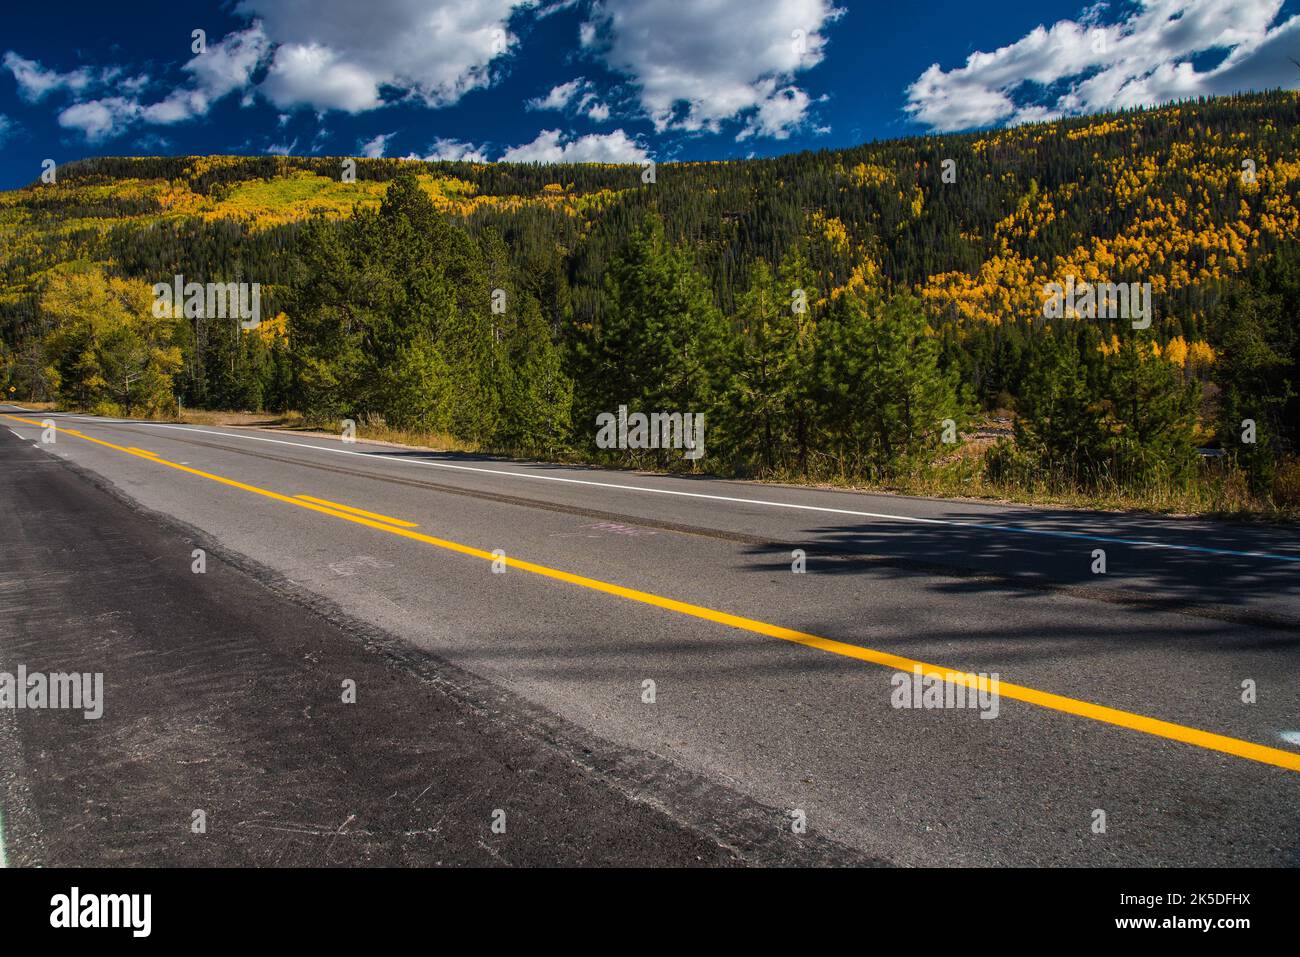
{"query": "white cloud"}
(282, 149)
(697, 65)
(450, 150)
(375, 148)
(34, 81)
(340, 54)
(559, 97)
(779, 113)
(543, 12)
(578, 95)
(317, 76)
(134, 85)
(229, 65)
(180, 105)
(6, 125)
(221, 69)
(551, 146)
(100, 119)
(1140, 60)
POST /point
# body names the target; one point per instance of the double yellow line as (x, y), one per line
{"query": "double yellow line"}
(1043, 699)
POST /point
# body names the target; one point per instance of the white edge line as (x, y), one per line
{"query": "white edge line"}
(952, 523)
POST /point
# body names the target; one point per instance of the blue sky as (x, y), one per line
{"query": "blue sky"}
(598, 80)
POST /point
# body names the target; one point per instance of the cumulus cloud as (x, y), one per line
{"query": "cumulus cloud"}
(578, 96)
(315, 75)
(35, 81)
(450, 150)
(551, 146)
(341, 54)
(134, 85)
(697, 65)
(688, 66)
(229, 65)
(101, 119)
(375, 148)
(559, 97)
(221, 69)
(1142, 59)
(780, 112)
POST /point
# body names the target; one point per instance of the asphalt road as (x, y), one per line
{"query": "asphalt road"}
(1121, 693)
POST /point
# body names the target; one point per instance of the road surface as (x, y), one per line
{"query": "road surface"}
(648, 649)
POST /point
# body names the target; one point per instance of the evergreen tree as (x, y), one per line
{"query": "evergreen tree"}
(1257, 367)
(1060, 419)
(1152, 410)
(883, 396)
(661, 344)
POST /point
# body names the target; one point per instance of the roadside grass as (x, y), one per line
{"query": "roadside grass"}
(1224, 495)
(1213, 492)
(375, 430)
(286, 420)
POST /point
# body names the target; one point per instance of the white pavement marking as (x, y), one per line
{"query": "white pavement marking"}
(951, 523)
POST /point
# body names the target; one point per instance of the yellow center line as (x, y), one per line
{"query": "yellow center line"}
(1043, 699)
(358, 511)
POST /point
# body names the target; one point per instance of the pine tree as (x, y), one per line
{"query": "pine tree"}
(1152, 410)
(1059, 420)
(763, 371)
(1257, 367)
(661, 344)
(884, 398)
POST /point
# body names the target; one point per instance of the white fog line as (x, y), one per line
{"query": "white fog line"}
(766, 503)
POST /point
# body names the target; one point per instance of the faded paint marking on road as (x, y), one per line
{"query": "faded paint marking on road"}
(357, 511)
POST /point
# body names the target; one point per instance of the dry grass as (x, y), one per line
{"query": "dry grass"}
(1211, 493)
(379, 432)
(371, 431)
(959, 476)
(287, 420)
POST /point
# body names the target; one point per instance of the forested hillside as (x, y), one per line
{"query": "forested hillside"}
(835, 315)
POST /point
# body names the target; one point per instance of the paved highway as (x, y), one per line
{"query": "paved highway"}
(774, 693)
